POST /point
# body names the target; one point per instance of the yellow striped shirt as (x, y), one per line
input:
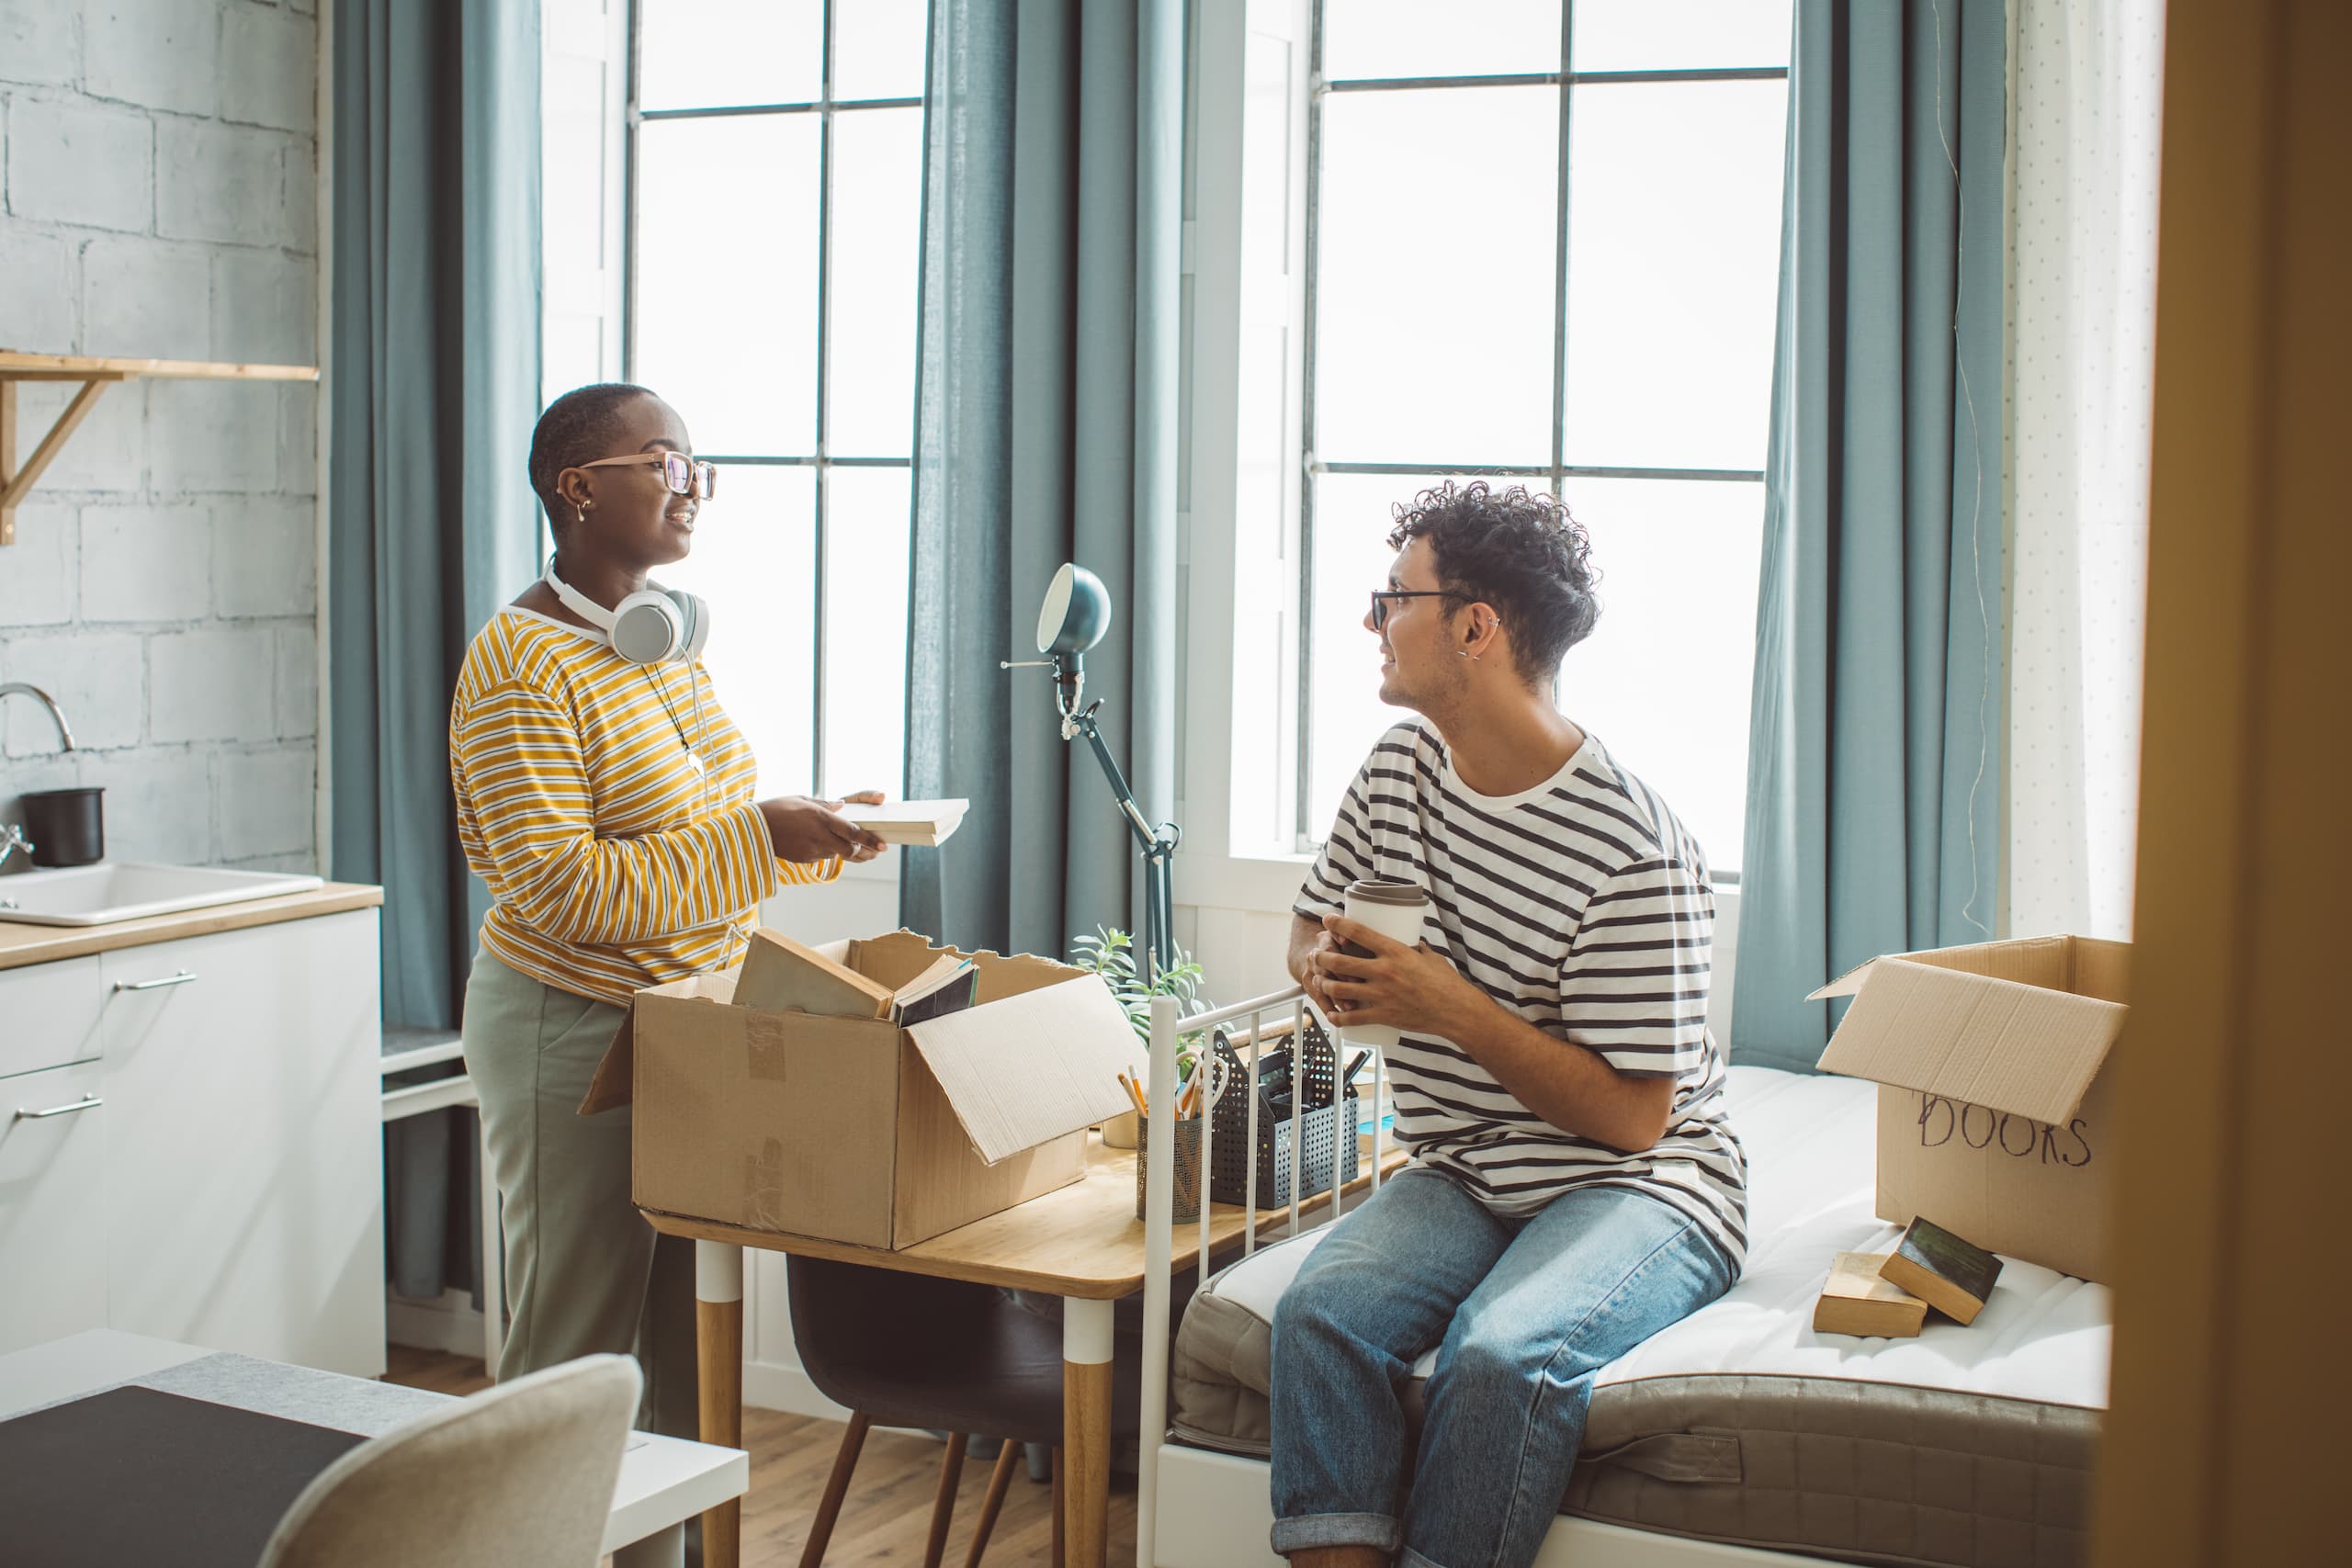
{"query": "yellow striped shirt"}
(582, 806)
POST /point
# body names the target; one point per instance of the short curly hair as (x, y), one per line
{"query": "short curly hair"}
(1518, 550)
(576, 428)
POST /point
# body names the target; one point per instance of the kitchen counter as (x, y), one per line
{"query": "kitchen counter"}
(21, 944)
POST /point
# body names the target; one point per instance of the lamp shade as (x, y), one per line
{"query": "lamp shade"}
(1077, 612)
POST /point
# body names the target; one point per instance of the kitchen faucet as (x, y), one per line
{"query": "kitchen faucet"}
(13, 688)
(11, 838)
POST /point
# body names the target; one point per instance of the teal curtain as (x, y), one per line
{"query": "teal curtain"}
(434, 386)
(1875, 755)
(1045, 432)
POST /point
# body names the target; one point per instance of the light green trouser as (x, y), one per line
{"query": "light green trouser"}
(584, 1273)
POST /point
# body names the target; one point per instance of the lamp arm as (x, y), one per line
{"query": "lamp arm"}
(1159, 846)
(1085, 724)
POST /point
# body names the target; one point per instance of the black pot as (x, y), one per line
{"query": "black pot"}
(68, 827)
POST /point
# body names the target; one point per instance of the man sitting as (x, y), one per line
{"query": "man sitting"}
(1574, 1185)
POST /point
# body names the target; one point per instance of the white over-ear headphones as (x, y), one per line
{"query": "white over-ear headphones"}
(651, 626)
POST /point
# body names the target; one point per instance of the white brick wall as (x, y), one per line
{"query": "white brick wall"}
(157, 199)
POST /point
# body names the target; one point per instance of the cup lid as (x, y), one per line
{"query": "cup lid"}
(1400, 892)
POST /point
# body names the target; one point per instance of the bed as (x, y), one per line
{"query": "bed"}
(1739, 1436)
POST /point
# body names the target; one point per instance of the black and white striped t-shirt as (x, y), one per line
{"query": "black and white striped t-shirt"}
(1581, 905)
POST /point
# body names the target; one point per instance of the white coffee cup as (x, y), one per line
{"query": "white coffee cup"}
(1394, 909)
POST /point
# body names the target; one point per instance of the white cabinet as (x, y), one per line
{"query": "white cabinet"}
(229, 1191)
(53, 1164)
(49, 1015)
(243, 1194)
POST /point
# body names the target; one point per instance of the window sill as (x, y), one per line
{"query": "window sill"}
(882, 868)
(1264, 884)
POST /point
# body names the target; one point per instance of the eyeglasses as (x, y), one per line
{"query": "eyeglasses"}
(1384, 600)
(681, 475)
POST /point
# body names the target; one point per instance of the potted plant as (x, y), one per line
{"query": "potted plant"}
(1110, 953)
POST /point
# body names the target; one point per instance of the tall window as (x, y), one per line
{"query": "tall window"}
(775, 202)
(1542, 249)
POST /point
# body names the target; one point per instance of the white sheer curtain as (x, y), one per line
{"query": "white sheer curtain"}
(2086, 100)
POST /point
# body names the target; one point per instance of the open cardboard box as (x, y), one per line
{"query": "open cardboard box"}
(854, 1130)
(1994, 1112)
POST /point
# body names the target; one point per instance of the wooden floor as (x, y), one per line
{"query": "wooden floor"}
(887, 1518)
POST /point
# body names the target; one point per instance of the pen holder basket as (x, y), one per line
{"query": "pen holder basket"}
(1187, 1167)
(1325, 1141)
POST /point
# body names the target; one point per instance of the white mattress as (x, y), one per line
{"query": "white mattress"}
(2043, 1335)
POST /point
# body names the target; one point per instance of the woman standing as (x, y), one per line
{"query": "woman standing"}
(606, 799)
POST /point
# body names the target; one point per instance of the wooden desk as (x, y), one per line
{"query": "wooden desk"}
(663, 1480)
(1081, 1243)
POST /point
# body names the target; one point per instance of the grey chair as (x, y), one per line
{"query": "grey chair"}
(943, 1356)
(518, 1476)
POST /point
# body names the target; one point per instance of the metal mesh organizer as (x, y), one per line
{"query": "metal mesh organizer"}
(1230, 1154)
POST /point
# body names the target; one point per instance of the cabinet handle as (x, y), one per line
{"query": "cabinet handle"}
(88, 1102)
(182, 979)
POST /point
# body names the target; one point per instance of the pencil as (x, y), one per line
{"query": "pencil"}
(1135, 1094)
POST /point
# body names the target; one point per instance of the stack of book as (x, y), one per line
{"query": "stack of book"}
(915, 824)
(782, 976)
(1889, 1294)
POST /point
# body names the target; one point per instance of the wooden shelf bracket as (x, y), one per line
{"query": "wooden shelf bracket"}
(16, 481)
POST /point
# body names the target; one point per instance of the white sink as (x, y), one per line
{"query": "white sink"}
(102, 894)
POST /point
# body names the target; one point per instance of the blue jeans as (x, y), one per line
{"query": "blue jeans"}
(1523, 1311)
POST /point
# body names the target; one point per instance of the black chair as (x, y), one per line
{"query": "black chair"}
(940, 1355)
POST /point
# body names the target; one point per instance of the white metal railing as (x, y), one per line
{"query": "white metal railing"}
(1288, 1011)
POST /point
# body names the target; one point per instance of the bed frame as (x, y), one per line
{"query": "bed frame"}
(1199, 1508)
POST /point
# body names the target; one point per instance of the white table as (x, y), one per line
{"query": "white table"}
(663, 1482)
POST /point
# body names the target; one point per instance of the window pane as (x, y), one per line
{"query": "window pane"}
(865, 629)
(1414, 38)
(726, 284)
(1435, 274)
(571, 352)
(755, 561)
(879, 48)
(1674, 233)
(571, 160)
(716, 54)
(1664, 678)
(1671, 35)
(878, 245)
(1351, 557)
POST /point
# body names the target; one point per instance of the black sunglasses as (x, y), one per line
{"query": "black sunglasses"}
(1383, 600)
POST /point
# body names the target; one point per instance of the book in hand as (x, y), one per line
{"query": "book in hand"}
(1857, 1300)
(948, 985)
(781, 975)
(915, 824)
(1950, 1275)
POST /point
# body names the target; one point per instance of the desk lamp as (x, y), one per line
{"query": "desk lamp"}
(1076, 615)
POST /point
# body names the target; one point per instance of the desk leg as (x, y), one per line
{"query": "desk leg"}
(1086, 1430)
(718, 1345)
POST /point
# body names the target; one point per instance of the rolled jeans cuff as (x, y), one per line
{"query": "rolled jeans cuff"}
(1409, 1558)
(1309, 1530)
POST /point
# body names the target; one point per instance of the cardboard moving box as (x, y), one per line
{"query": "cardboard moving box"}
(851, 1129)
(1995, 1116)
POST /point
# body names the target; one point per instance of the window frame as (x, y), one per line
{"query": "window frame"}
(826, 108)
(1306, 837)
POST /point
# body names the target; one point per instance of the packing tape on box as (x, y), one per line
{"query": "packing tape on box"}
(763, 1186)
(763, 1048)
